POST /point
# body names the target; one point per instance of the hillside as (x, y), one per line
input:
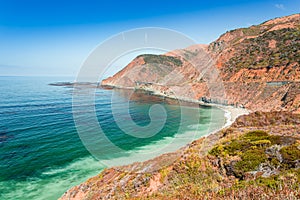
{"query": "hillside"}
(258, 157)
(257, 68)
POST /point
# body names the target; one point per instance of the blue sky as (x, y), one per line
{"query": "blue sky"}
(55, 37)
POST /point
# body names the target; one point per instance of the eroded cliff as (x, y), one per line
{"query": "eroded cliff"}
(256, 67)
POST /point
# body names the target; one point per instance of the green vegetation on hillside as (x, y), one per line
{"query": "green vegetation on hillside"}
(252, 165)
(257, 148)
(161, 59)
(254, 53)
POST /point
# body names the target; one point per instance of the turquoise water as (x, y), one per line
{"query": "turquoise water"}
(41, 153)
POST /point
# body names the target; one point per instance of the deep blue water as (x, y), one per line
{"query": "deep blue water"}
(42, 154)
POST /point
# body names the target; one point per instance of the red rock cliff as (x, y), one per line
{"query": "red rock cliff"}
(257, 66)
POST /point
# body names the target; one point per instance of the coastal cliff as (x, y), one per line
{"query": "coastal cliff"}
(257, 67)
(257, 157)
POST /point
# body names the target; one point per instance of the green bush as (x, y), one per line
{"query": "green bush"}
(290, 153)
(249, 151)
(261, 143)
(250, 160)
(256, 135)
(272, 182)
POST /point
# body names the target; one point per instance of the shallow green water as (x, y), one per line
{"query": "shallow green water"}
(42, 155)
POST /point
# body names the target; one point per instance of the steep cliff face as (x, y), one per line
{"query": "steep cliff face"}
(258, 157)
(256, 67)
(260, 64)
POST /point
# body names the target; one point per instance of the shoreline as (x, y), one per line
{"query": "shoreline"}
(231, 112)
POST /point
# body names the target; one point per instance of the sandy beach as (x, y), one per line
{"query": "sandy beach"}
(231, 113)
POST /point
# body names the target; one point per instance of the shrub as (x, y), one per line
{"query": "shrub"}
(250, 161)
(261, 143)
(256, 135)
(290, 153)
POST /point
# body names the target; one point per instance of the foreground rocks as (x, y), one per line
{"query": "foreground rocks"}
(255, 158)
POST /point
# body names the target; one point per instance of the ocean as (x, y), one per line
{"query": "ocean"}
(42, 154)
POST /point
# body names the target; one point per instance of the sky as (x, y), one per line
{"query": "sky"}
(54, 38)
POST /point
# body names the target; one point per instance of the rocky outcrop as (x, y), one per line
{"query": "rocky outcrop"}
(256, 67)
